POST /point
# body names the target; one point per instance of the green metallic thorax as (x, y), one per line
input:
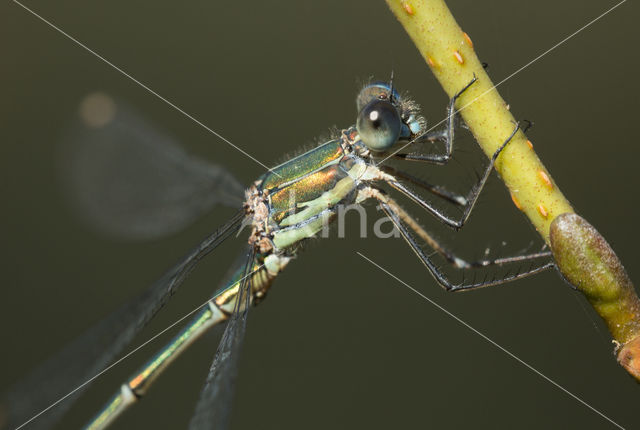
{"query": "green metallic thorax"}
(303, 192)
(322, 156)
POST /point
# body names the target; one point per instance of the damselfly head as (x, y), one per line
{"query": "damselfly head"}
(384, 118)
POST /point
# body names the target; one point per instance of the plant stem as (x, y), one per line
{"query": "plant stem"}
(581, 254)
(449, 54)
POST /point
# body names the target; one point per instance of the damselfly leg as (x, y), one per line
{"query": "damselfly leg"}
(405, 222)
(471, 198)
(445, 135)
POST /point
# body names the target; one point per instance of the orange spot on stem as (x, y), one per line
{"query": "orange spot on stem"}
(458, 56)
(543, 211)
(431, 62)
(407, 8)
(467, 39)
(515, 200)
(530, 144)
(545, 178)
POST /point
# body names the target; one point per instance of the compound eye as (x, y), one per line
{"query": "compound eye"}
(379, 125)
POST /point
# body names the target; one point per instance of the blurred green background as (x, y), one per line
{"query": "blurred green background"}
(337, 344)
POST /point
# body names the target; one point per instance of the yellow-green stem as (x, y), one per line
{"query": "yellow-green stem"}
(581, 254)
(450, 55)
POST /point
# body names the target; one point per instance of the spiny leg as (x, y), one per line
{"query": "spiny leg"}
(437, 190)
(444, 281)
(446, 135)
(472, 197)
(402, 219)
(433, 243)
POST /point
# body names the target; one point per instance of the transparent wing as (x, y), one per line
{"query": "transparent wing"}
(213, 410)
(90, 353)
(127, 180)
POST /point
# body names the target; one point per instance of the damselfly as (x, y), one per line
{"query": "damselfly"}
(284, 208)
(149, 259)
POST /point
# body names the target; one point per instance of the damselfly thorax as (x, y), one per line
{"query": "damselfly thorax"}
(294, 201)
